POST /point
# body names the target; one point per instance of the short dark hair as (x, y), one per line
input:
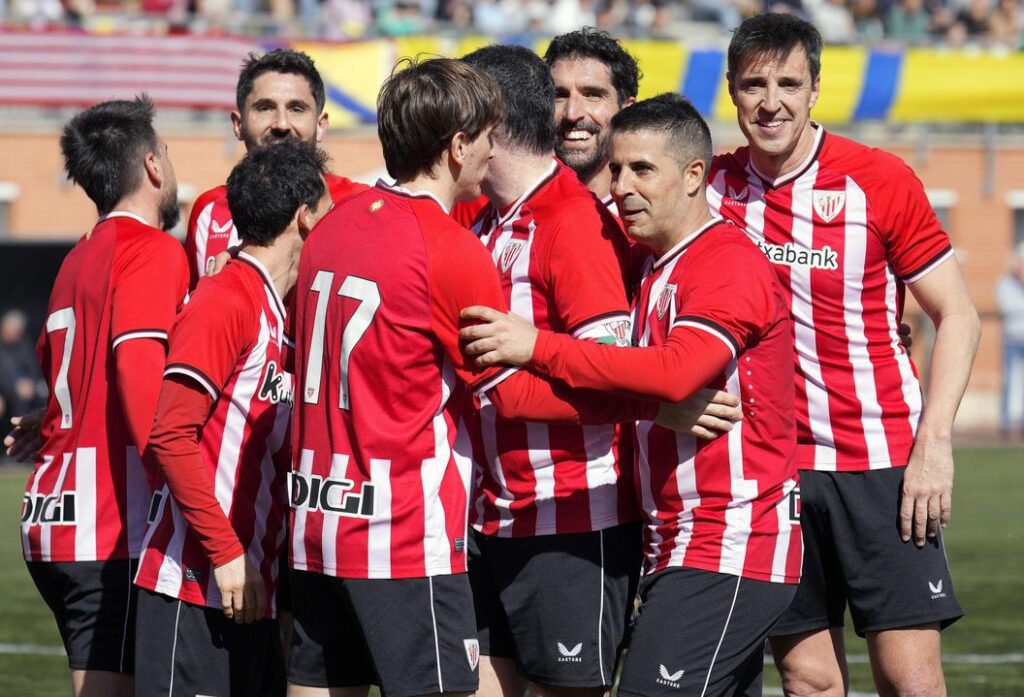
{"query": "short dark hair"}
(527, 91)
(269, 185)
(601, 46)
(774, 35)
(281, 60)
(104, 146)
(424, 104)
(688, 133)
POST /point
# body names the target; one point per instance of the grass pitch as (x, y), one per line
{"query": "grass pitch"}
(985, 544)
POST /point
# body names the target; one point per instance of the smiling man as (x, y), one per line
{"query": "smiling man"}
(594, 78)
(280, 96)
(848, 229)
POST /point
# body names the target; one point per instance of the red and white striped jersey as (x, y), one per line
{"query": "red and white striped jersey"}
(229, 340)
(88, 497)
(560, 255)
(211, 230)
(845, 231)
(377, 490)
(725, 505)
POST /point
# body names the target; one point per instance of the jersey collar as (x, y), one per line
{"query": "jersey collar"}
(268, 280)
(122, 214)
(402, 191)
(681, 246)
(537, 185)
(819, 141)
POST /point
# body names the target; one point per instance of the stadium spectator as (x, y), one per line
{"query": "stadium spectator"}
(908, 22)
(280, 97)
(1006, 28)
(853, 223)
(551, 501)
(102, 352)
(1010, 299)
(723, 554)
(379, 497)
(22, 389)
(835, 22)
(223, 417)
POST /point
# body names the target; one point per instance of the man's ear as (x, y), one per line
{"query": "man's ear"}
(459, 147)
(693, 177)
(236, 124)
(153, 170)
(321, 126)
(732, 87)
(629, 101)
(304, 220)
(815, 91)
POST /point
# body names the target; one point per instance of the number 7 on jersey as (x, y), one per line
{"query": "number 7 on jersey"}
(353, 288)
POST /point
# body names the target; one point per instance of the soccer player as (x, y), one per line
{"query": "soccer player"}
(217, 526)
(280, 96)
(555, 547)
(849, 229)
(102, 351)
(594, 78)
(722, 546)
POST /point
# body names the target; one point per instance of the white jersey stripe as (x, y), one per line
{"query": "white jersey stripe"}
(170, 576)
(436, 548)
(739, 513)
(379, 533)
(44, 533)
(137, 487)
(33, 490)
(803, 326)
(601, 479)
(85, 503)
(911, 387)
(298, 555)
(537, 439)
(785, 536)
(686, 486)
(329, 531)
(855, 244)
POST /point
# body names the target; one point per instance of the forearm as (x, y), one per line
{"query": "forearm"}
(688, 361)
(174, 448)
(956, 343)
(527, 396)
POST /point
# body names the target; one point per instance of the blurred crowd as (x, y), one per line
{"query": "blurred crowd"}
(22, 388)
(986, 23)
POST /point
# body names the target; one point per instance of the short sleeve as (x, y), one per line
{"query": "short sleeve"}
(914, 238)
(584, 262)
(213, 330)
(728, 293)
(149, 287)
(462, 274)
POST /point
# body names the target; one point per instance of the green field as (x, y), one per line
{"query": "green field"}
(985, 651)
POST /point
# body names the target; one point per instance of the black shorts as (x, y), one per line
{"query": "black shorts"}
(192, 650)
(701, 633)
(410, 636)
(556, 604)
(853, 553)
(94, 605)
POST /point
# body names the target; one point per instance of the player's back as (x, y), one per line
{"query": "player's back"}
(374, 419)
(87, 498)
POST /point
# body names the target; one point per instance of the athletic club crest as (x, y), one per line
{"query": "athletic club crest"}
(828, 204)
(665, 300)
(472, 652)
(510, 253)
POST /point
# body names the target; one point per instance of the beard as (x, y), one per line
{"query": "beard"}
(268, 138)
(169, 210)
(585, 164)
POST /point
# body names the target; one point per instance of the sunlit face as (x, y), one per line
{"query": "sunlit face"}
(648, 187)
(585, 102)
(279, 107)
(773, 99)
(169, 211)
(475, 165)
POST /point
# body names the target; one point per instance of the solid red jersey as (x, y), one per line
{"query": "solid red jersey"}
(845, 232)
(211, 230)
(377, 490)
(559, 255)
(229, 341)
(88, 497)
